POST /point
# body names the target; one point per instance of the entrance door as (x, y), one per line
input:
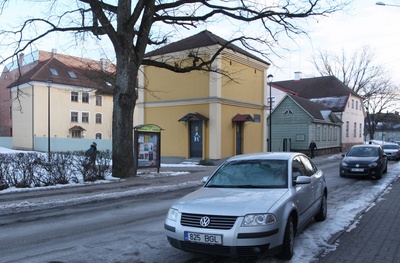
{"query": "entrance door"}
(239, 128)
(196, 139)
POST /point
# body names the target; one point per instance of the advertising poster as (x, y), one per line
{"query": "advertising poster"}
(148, 149)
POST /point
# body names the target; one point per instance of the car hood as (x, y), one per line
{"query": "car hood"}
(231, 201)
(359, 160)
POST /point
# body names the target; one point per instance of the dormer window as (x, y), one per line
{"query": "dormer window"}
(53, 72)
(72, 75)
(288, 112)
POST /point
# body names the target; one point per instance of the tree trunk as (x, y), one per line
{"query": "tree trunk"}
(122, 128)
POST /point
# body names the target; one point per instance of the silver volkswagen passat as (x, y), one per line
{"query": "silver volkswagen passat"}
(252, 204)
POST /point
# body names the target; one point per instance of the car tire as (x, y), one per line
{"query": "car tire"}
(288, 241)
(379, 175)
(323, 209)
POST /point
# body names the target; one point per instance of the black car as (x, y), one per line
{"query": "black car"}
(364, 160)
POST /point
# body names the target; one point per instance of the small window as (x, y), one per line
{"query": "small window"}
(85, 116)
(99, 100)
(74, 96)
(76, 134)
(257, 118)
(74, 116)
(72, 74)
(54, 72)
(98, 136)
(85, 97)
(98, 118)
(288, 112)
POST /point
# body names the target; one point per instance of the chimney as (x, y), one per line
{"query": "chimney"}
(54, 53)
(297, 76)
(105, 64)
(20, 59)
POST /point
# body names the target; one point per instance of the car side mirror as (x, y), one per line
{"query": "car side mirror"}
(302, 180)
(205, 179)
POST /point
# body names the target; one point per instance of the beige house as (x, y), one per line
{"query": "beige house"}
(56, 104)
(206, 115)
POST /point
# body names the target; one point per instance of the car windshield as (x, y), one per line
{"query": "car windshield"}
(251, 174)
(363, 152)
(390, 146)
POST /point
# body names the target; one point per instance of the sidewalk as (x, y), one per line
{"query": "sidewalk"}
(375, 236)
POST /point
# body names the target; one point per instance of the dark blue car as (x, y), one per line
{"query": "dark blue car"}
(364, 160)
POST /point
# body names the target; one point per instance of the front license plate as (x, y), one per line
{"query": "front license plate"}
(357, 170)
(203, 238)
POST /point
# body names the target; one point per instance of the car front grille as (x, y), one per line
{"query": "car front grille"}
(216, 222)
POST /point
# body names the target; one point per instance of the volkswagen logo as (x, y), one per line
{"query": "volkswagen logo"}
(205, 221)
(357, 165)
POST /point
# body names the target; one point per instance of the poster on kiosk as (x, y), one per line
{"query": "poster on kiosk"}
(147, 145)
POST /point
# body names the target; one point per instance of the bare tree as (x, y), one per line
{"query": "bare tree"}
(134, 26)
(360, 73)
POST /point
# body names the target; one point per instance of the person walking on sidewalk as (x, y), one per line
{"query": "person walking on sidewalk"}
(312, 147)
(92, 154)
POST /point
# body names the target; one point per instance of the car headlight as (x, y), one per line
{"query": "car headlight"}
(172, 214)
(374, 164)
(259, 219)
(344, 164)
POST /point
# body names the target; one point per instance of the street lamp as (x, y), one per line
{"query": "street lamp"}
(48, 84)
(383, 4)
(270, 77)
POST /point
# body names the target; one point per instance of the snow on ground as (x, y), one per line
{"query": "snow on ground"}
(341, 217)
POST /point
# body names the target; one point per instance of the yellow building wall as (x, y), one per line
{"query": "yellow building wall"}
(60, 115)
(252, 131)
(247, 83)
(175, 135)
(170, 96)
(167, 85)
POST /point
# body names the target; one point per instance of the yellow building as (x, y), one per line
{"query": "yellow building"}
(205, 115)
(63, 103)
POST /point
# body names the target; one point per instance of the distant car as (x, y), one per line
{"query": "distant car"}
(252, 204)
(364, 160)
(392, 151)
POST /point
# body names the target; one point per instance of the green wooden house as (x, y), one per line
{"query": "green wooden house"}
(296, 121)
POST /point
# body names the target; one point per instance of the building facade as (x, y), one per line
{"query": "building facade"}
(55, 104)
(335, 96)
(206, 114)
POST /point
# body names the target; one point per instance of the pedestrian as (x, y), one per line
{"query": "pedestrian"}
(92, 153)
(312, 147)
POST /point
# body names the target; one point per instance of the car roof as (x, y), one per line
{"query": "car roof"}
(366, 145)
(389, 143)
(265, 156)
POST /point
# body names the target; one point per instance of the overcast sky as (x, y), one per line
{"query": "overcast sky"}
(365, 23)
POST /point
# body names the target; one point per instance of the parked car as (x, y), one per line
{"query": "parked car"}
(392, 151)
(364, 160)
(252, 204)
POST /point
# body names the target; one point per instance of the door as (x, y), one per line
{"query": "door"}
(196, 139)
(305, 192)
(239, 128)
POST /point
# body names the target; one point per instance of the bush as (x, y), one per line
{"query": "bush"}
(32, 169)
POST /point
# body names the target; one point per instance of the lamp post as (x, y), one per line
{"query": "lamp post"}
(48, 84)
(383, 4)
(270, 77)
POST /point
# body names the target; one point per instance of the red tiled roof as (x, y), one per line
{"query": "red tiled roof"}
(242, 118)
